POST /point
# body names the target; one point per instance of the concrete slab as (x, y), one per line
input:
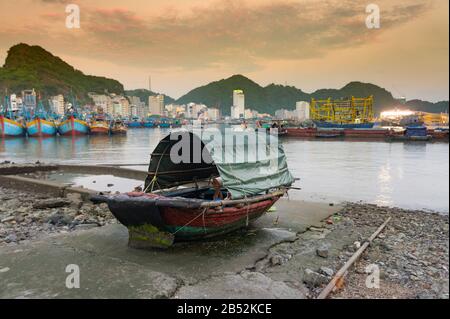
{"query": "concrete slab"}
(110, 269)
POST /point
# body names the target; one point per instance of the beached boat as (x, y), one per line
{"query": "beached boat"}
(41, 124)
(118, 127)
(189, 201)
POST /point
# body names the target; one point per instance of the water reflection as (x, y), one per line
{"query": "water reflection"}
(410, 175)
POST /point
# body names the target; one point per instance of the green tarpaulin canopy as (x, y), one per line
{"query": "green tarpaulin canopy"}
(249, 163)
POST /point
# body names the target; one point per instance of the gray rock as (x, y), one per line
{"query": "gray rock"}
(322, 251)
(314, 279)
(51, 203)
(59, 219)
(11, 238)
(326, 271)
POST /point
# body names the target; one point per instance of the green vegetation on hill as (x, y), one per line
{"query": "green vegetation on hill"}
(272, 97)
(144, 94)
(33, 67)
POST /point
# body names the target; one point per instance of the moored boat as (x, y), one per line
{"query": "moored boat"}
(135, 122)
(118, 127)
(41, 125)
(11, 128)
(11, 125)
(191, 201)
(99, 125)
(73, 126)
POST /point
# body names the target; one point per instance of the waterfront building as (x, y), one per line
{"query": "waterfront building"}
(156, 104)
(213, 114)
(250, 114)
(57, 104)
(238, 108)
(29, 100)
(193, 110)
(285, 114)
(15, 103)
(102, 101)
(302, 109)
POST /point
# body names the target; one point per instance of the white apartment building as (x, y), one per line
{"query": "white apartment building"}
(57, 104)
(193, 110)
(156, 104)
(302, 108)
(15, 102)
(238, 108)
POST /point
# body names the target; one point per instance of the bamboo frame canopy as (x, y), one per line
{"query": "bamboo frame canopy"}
(248, 162)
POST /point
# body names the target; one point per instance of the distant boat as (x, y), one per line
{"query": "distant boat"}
(118, 127)
(323, 124)
(135, 123)
(99, 125)
(164, 123)
(149, 123)
(41, 125)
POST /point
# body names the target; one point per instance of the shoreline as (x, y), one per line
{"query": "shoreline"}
(411, 253)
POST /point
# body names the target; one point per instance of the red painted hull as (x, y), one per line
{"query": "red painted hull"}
(301, 132)
(366, 133)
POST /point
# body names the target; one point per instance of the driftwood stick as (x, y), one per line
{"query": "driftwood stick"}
(341, 273)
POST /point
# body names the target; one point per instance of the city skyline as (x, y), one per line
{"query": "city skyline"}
(186, 44)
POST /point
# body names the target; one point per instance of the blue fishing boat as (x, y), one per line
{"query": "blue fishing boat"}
(135, 122)
(149, 122)
(164, 122)
(41, 124)
(73, 123)
(323, 124)
(11, 125)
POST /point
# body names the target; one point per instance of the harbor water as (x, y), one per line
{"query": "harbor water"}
(407, 175)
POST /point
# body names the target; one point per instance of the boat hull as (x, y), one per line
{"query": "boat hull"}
(135, 124)
(41, 128)
(11, 128)
(179, 219)
(149, 124)
(321, 124)
(99, 129)
(73, 127)
(119, 131)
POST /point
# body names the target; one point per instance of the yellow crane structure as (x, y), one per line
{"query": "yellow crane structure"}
(434, 119)
(345, 111)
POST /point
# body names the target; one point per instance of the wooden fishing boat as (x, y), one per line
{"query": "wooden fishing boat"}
(73, 126)
(41, 127)
(11, 127)
(185, 201)
(99, 125)
(118, 127)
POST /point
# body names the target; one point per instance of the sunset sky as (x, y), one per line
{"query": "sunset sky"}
(182, 44)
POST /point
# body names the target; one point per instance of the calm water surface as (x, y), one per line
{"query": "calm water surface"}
(409, 175)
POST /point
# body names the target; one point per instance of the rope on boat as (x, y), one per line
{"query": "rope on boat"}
(202, 213)
(155, 179)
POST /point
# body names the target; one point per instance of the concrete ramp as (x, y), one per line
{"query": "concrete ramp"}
(110, 269)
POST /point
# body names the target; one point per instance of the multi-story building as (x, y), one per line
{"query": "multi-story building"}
(102, 101)
(16, 103)
(29, 100)
(285, 114)
(213, 114)
(156, 104)
(57, 104)
(238, 108)
(193, 110)
(250, 114)
(302, 109)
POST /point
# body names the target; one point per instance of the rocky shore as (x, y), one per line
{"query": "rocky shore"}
(26, 216)
(411, 253)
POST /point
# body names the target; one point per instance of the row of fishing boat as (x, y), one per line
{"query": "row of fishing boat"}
(43, 124)
(151, 122)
